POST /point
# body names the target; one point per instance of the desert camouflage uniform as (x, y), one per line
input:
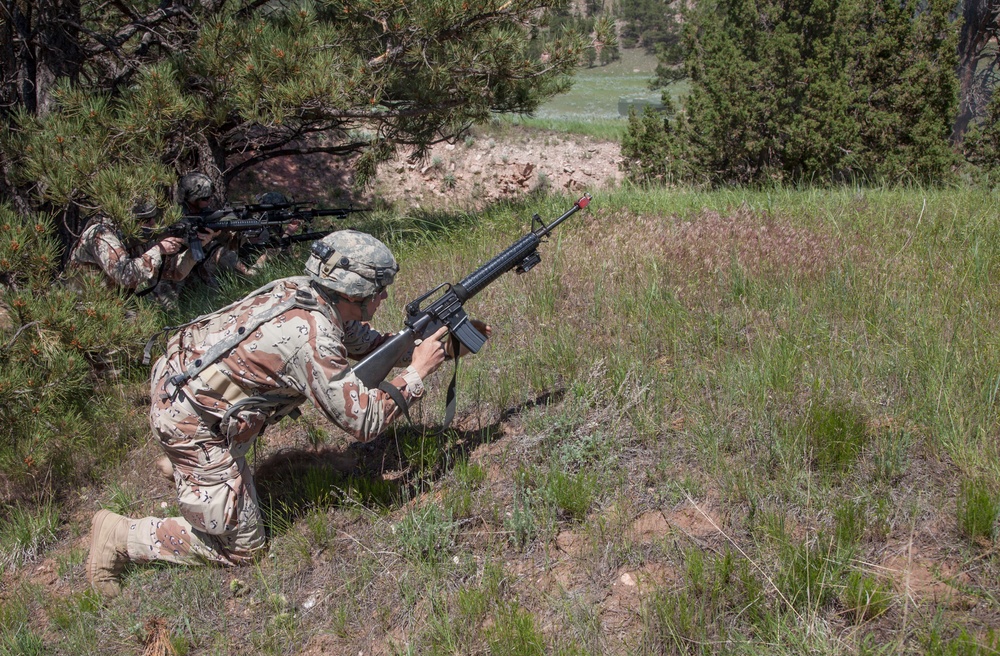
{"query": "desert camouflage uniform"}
(100, 249)
(206, 431)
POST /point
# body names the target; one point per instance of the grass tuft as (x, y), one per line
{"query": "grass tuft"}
(865, 598)
(978, 509)
(573, 494)
(835, 434)
(25, 533)
(426, 534)
(515, 633)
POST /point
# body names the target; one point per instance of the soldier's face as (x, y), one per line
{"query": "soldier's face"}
(374, 304)
(349, 309)
(352, 310)
(199, 205)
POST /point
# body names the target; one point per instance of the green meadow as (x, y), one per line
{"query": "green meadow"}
(594, 105)
(723, 422)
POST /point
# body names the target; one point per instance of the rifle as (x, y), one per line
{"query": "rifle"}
(277, 242)
(257, 217)
(286, 241)
(189, 226)
(295, 212)
(447, 310)
(286, 212)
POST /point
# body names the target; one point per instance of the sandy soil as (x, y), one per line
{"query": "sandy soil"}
(468, 174)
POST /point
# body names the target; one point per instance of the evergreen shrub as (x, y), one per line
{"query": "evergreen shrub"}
(797, 91)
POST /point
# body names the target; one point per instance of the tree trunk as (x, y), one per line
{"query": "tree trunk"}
(979, 26)
(56, 48)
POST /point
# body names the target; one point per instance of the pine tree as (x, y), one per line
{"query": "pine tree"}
(222, 86)
(790, 90)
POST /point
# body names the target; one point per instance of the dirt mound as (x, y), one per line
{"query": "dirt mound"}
(468, 174)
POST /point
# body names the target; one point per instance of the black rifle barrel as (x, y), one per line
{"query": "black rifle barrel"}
(236, 224)
(479, 279)
(448, 310)
(332, 211)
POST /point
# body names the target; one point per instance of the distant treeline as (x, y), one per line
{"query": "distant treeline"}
(791, 91)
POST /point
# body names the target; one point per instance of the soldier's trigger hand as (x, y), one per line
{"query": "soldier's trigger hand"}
(171, 245)
(429, 354)
(206, 236)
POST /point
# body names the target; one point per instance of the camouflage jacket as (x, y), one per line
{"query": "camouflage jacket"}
(100, 249)
(302, 353)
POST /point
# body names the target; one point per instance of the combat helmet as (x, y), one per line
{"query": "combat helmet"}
(145, 209)
(195, 186)
(272, 198)
(351, 263)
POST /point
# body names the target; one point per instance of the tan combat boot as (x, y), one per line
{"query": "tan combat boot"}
(108, 552)
(165, 468)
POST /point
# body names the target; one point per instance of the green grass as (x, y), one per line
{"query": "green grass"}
(795, 390)
(426, 534)
(25, 533)
(978, 509)
(515, 633)
(594, 104)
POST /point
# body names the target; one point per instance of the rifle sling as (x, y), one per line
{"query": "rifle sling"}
(159, 275)
(449, 412)
(397, 398)
(451, 397)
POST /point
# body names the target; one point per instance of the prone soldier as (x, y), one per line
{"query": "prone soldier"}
(101, 249)
(227, 375)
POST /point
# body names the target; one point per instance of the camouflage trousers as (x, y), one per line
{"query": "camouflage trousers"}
(220, 518)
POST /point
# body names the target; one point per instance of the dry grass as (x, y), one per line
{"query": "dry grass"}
(777, 442)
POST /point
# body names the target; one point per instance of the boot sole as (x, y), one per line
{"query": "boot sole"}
(96, 524)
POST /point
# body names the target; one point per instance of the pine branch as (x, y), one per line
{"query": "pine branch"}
(339, 149)
(248, 9)
(140, 24)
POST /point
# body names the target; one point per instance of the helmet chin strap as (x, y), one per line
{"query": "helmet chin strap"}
(365, 314)
(337, 297)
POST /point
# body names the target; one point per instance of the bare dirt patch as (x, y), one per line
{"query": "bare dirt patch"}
(468, 174)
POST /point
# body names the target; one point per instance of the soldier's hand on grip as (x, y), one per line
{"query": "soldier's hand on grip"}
(429, 354)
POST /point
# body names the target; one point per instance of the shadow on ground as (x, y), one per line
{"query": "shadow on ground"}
(383, 474)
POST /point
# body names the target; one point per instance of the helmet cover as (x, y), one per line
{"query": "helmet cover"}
(145, 209)
(195, 186)
(351, 263)
(272, 198)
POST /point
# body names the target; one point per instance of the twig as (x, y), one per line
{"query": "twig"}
(906, 588)
(19, 331)
(910, 238)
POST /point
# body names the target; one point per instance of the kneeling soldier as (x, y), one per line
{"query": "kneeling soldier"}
(228, 374)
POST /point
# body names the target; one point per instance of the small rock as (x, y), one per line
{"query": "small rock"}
(237, 587)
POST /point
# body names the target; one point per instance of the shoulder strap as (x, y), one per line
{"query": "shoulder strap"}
(397, 398)
(302, 298)
(147, 352)
(452, 396)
